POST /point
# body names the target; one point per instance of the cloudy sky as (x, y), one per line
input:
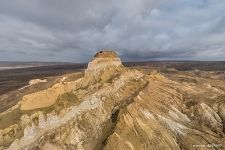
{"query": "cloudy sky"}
(73, 30)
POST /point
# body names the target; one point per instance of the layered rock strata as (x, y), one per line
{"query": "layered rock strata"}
(113, 107)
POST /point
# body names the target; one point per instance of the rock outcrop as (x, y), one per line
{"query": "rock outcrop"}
(103, 62)
(102, 67)
(36, 81)
(113, 107)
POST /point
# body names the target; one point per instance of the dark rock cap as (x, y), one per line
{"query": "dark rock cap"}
(106, 54)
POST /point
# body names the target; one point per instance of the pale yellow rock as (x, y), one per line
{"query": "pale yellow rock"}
(118, 108)
(46, 98)
(36, 81)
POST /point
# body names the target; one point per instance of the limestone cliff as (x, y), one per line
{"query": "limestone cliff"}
(113, 107)
(103, 62)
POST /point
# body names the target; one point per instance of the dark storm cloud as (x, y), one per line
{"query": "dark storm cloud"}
(72, 30)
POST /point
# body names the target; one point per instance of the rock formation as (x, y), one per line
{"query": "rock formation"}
(113, 107)
(103, 62)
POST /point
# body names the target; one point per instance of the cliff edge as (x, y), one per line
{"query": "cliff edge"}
(114, 107)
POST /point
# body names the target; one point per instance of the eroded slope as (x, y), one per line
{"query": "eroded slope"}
(113, 107)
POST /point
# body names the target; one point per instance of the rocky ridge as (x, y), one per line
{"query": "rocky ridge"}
(113, 107)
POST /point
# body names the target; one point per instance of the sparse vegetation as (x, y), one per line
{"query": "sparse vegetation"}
(138, 105)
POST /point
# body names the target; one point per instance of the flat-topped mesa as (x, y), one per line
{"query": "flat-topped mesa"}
(106, 54)
(102, 60)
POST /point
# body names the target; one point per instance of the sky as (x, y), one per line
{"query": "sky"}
(138, 30)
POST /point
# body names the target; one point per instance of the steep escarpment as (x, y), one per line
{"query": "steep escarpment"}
(84, 118)
(113, 107)
(103, 64)
(95, 72)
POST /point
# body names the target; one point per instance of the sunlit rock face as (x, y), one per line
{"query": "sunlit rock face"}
(114, 107)
(104, 65)
(102, 61)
